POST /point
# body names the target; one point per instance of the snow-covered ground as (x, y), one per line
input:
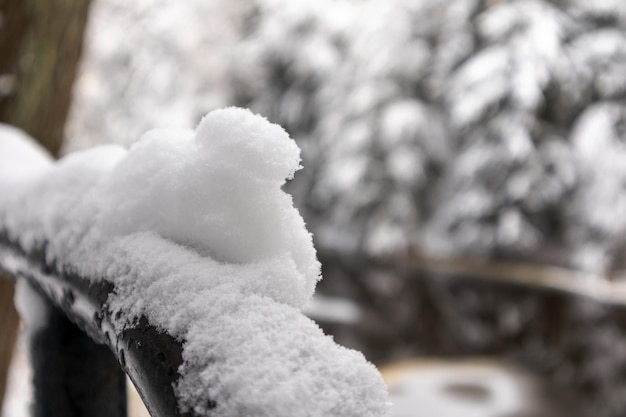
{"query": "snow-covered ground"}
(470, 387)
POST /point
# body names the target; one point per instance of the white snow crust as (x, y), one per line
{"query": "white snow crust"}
(197, 235)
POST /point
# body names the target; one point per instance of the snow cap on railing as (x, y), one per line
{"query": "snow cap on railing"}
(195, 234)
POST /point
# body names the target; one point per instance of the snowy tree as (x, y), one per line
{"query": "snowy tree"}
(489, 129)
(150, 64)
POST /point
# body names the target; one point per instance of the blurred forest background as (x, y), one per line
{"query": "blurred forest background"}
(464, 173)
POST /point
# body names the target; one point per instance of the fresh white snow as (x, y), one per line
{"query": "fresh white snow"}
(197, 235)
(20, 158)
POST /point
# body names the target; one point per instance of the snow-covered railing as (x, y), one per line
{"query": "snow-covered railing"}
(184, 257)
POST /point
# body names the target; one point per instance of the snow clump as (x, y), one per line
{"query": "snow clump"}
(217, 190)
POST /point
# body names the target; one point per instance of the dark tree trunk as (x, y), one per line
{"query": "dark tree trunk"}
(40, 46)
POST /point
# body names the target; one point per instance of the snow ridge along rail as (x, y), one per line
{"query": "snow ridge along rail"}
(148, 356)
(183, 256)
